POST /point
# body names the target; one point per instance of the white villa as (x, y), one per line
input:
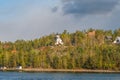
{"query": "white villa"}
(58, 40)
(117, 40)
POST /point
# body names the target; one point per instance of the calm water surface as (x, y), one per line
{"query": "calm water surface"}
(58, 76)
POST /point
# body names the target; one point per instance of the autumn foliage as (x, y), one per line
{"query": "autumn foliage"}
(81, 49)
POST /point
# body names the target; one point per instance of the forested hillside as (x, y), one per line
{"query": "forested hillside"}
(80, 50)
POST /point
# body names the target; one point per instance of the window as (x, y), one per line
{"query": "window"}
(117, 40)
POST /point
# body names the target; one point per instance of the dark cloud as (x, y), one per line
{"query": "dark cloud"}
(83, 7)
(54, 9)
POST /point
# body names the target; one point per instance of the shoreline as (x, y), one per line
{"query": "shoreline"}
(62, 70)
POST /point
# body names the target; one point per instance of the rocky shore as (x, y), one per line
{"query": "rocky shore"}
(61, 70)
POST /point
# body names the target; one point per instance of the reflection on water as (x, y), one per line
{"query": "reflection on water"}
(58, 76)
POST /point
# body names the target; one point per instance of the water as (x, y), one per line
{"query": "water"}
(58, 76)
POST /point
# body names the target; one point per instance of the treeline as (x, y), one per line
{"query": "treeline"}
(79, 51)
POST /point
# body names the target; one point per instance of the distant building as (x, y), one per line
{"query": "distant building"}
(3, 68)
(58, 40)
(19, 67)
(91, 34)
(117, 40)
(108, 38)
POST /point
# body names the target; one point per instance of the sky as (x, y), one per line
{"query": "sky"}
(31, 19)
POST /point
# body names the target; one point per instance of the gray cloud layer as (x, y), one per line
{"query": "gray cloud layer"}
(33, 21)
(83, 7)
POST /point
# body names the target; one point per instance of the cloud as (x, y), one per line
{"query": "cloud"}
(54, 9)
(34, 21)
(85, 7)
